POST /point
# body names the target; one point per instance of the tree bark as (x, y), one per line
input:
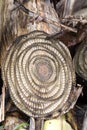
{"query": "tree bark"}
(21, 17)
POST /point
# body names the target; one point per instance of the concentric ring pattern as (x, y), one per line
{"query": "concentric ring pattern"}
(80, 60)
(39, 74)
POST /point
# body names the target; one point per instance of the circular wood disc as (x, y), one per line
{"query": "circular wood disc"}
(39, 74)
(80, 60)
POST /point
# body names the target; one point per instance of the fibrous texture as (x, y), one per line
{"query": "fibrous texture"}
(80, 60)
(39, 74)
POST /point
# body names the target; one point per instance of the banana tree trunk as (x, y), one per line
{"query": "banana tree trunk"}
(38, 71)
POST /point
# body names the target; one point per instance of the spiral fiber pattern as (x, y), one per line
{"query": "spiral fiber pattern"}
(80, 60)
(39, 74)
